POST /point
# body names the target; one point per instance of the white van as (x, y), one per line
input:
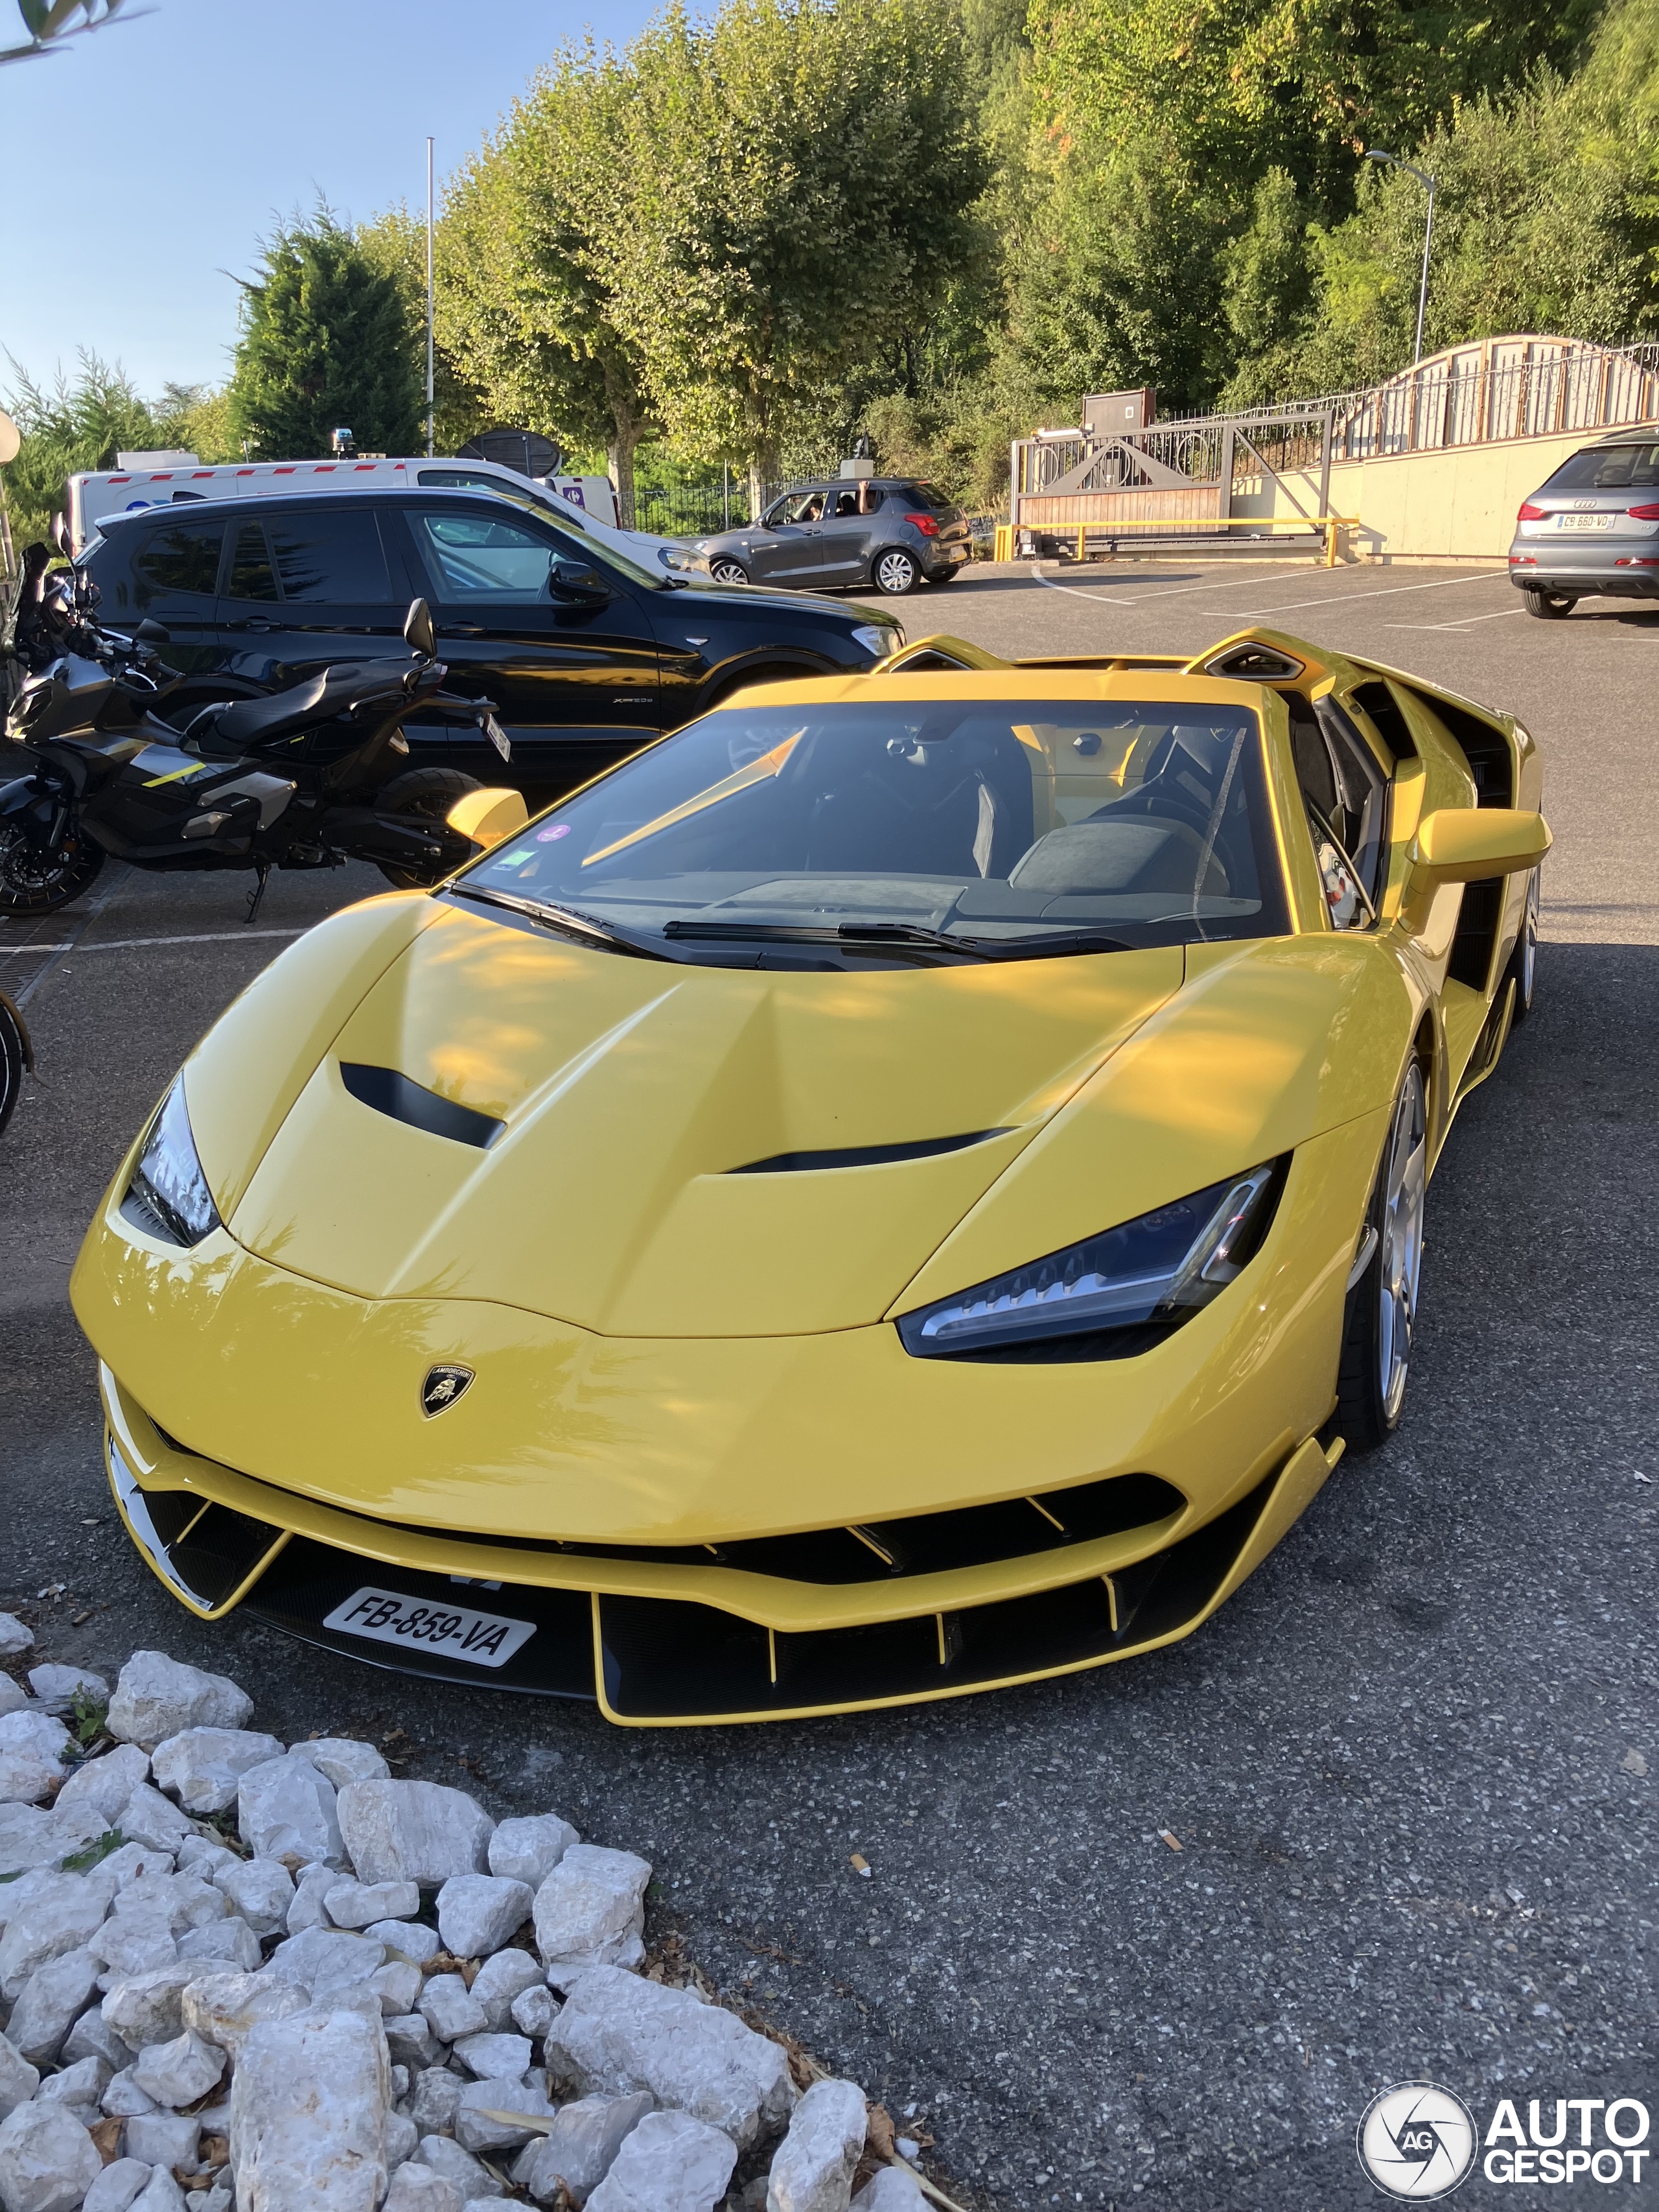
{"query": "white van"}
(584, 503)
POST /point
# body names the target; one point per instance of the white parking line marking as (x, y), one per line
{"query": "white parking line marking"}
(1166, 592)
(136, 944)
(1387, 591)
(1283, 606)
(1502, 615)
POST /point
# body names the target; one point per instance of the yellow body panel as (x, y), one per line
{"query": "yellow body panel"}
(668, 1354)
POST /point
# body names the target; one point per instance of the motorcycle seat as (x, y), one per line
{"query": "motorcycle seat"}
(244, 724)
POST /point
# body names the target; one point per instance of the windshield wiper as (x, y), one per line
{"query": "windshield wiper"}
(1057, 941)
(565, 918)
(850, 935)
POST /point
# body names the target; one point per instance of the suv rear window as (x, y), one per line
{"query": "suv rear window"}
(333, 557)
(182, 558)
(1607, 468)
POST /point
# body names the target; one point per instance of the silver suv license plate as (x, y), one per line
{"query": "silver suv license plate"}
(483, 1639)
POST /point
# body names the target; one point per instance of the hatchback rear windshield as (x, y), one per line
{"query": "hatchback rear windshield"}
(1141, 822)
(1608, 468)
(927, 496)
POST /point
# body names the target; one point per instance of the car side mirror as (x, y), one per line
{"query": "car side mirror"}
(60, 537)
(489, 815)
(153, 633)
(1464, 845)
(577, 583)
(418, 633)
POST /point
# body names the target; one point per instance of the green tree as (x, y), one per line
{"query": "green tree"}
(81, 422)
(327, 339)
(799, 174)
(395, 244)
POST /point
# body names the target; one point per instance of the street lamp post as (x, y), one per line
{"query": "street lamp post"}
(1374, 153)
(431, 410)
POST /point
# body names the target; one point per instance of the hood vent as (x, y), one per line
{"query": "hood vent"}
(865, 1156)
(403, 1100)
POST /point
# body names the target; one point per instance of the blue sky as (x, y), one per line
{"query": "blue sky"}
(147, 159)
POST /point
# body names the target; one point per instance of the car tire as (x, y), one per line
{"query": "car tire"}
(1522, 970)
(428, 794)
(1381, 1313)
(1549, 606)
(725, 571)
(895, 572)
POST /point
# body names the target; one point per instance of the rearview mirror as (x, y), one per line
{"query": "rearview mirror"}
(418, 633)
(60, 537)
(488, 817)
(1464, 845)
(152, 632)
(576, 580)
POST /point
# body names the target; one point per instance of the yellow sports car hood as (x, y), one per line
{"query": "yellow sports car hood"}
(665, 1163)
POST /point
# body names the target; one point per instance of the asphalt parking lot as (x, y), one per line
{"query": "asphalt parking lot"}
(1410, 1766)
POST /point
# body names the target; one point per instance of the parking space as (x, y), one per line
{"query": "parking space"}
(1158, 1933)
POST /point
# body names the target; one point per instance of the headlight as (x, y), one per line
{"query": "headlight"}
(168, 1195)
(1159, 1270)
(672, 557)
(880, 638)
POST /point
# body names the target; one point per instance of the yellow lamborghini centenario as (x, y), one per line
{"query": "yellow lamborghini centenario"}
(906, 1186)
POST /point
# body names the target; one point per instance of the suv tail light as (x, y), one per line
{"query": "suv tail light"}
(1531, 514)
(1648, 513)
(928, 526)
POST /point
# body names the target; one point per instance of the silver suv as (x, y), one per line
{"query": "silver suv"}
(1592, 527)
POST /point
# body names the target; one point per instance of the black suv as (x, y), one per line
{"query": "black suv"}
(586, 656)
(891, 532)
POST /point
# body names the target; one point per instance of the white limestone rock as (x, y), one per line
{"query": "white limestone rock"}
(590, 1911)
(149, 2008)
(813, 2167)
(407, 1939)
(57, 1687)
(474, 2127)
(203, 1767)
(476, 1912)
(27, 1837)
(493, 2057)
(499, 1981)
(225, 2008)
(106, 1784)
(895, 2188)
(534, 2010)
(132, 1943)
(156, 1697)
(160, 2193)
(326, 1958)
(617, 2032)
(669, 2163)
(209, 2200)
(206, 1859)
(183, 1900)
(471, 2176)
(259, 1890)
(352, 1904)
(231, 1941)
(397, 1986)
(13, 1695)
(124, 2099)
(420, 1832)
(343, 1759)
(150, 1817)
(26, 1779)
(15, 1639)
(18, 2080)
(53, 1998)
(48, 2160)
(528, 1847)
(417, 2188)
(308, 2109)
(433, 2100)
(412, 2044)
(14, 1895)
(286, 1807)
(29, 1729)
(451, 2009)
(401, 2140)
(90, 2038)
(117, 2186)
(61, 1916)
(178, 2072)
(311, 1886)
(580, 2148)
(79, 2087)
(163, 2139)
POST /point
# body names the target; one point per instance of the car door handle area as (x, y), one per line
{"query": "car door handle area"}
(462, 630)
(255, 621)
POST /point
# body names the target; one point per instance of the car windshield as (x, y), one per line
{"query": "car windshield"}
(977, 826)
(1608, 468)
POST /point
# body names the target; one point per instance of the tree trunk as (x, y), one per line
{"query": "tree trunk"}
(620, 456)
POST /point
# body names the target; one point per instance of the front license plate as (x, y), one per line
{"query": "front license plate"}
(483, 1639)
(1585, 521)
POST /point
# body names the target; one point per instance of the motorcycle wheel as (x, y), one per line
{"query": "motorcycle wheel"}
(33, 882)
(14, 1057)
(428, 792)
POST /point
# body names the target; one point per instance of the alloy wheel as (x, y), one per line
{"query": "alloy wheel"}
(895, 573)
(727, 572)
(1401, 1259)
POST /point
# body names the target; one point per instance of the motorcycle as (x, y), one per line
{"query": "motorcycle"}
(308, 778)
(16, 1054)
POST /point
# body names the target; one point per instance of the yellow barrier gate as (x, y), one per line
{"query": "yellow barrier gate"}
(1330, 524)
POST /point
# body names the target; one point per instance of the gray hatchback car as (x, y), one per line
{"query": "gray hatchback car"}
(1593, 526)
(893, 532)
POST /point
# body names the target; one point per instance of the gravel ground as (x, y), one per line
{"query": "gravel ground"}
(1410, 1766)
